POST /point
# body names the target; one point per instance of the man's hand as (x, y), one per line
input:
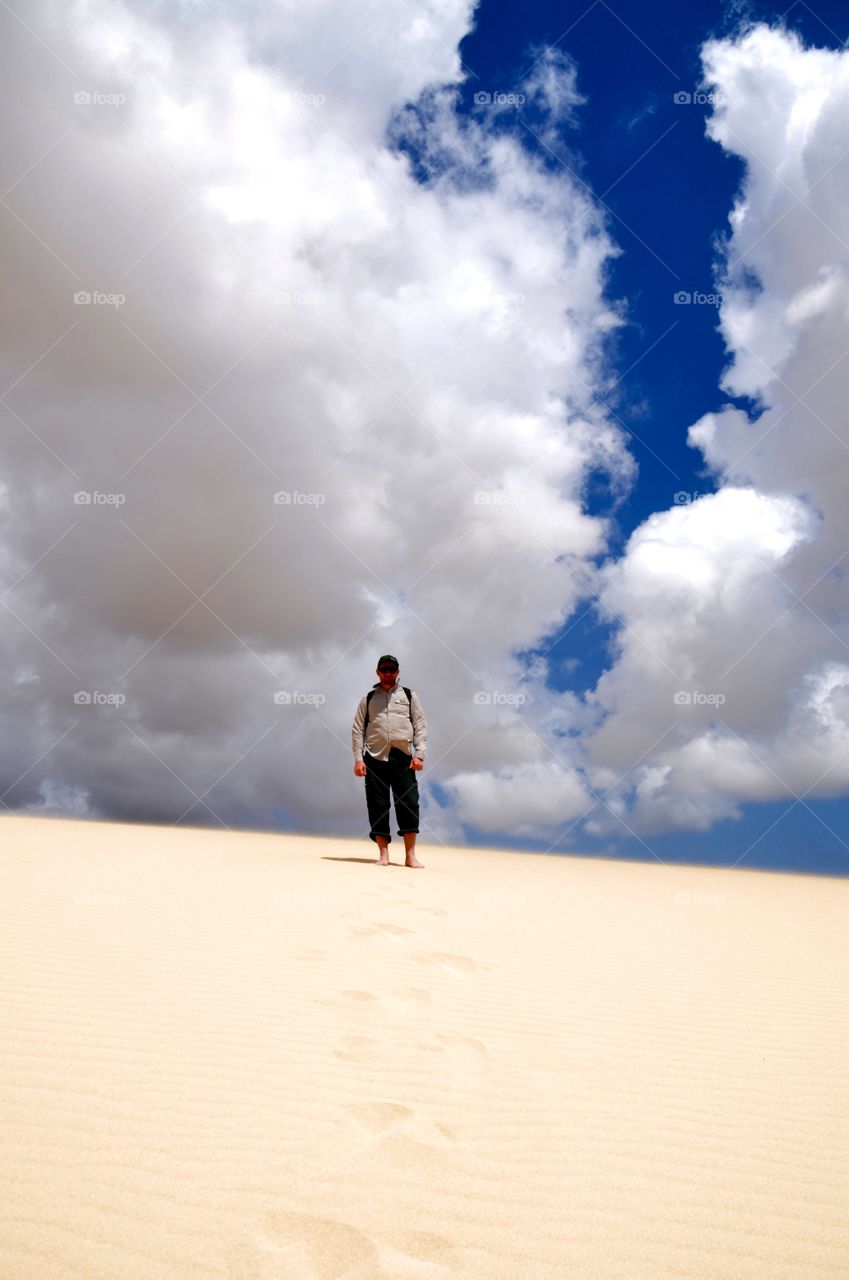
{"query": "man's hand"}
(360, 768)
(417, 763)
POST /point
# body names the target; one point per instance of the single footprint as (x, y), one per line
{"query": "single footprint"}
(468, 1045)
(460, 966)
(303, 1246)
(386, 891)
(431, 911)
(378, 1116)
(401, 1001)
(398, 1001)
(407, 996)
(354, 997)
(461, 1047)
(417, 1247)
(356, 1048)
(391, 930)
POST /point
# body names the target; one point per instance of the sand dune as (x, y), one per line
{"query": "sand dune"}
(261, 1057)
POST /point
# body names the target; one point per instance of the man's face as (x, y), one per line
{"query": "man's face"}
(387, 676)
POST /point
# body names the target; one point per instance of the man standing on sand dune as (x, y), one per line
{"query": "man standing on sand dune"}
(389, 737)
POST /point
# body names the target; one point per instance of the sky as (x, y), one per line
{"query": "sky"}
(510, 341)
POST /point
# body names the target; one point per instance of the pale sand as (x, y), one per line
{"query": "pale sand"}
(257, 1056)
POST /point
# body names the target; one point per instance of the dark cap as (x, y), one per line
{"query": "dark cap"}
(387, 657)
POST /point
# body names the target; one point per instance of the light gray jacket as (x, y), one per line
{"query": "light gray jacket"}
(391, 723)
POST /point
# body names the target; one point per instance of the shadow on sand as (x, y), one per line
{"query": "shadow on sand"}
(326, 857)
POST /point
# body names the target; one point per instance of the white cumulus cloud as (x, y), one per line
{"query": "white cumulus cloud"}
(242, 264)
(741, 595)
(321, 355)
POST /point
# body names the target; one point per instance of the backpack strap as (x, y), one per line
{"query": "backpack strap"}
(369, 697)
(371, 694)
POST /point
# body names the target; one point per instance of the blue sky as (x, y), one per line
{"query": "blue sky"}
(668, 190)
(349, 362)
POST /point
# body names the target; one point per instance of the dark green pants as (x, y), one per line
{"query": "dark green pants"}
(396, 777)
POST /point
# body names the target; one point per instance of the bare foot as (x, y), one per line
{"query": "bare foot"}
(383, 860)
(412, 861)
